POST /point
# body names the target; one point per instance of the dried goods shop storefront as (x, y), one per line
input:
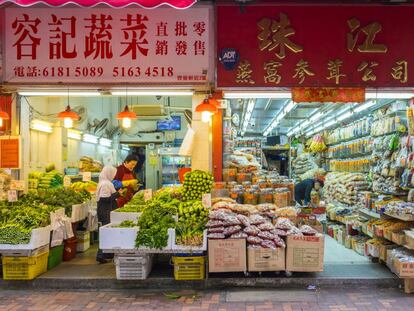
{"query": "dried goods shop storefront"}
(321, 90)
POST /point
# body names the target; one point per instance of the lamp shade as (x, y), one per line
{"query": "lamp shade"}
(126, 114)
(4, 115)
(68, 114)
(207, 106)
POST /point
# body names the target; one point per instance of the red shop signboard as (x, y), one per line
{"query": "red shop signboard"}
(103, 45)
(315, 46)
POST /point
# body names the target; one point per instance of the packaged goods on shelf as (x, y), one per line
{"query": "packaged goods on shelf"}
(402, 261)
(400, 209)
(387, 124)
(360, 165)
(362, 146)
(355, 130)
(244, 162)
(344, 187)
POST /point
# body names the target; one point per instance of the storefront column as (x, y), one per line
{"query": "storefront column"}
(201, 157)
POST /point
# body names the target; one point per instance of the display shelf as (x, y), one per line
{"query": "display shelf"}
(369, 213)
(400, 217)
(351, 156)
(400, 194)
(386, 134)
(348, 140)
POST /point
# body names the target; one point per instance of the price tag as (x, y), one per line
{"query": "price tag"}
(12, 195)
(206, 200)
(18, 185)
(67, 181)
(86, 176)
(147, 194)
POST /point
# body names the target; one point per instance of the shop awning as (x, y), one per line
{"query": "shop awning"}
(178, 4)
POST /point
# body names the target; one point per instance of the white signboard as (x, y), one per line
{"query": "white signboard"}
(106, 45)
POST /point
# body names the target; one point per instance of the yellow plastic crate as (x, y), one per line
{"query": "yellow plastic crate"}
(189, 268)
(24, 268)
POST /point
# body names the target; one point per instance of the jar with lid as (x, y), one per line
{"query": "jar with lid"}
(262, 183)
(266, 196)
(250, 197)
(241, 177)
(231, 185)
(219, 185)
(229, 174)
(237, 195)
(281, 197)
(247, 184)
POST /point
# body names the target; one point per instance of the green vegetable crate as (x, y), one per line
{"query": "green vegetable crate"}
(189, 268)
(24, 268)
(55, 257)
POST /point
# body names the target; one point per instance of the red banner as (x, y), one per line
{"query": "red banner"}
(328, 95)
(318, 46)
(149, 4)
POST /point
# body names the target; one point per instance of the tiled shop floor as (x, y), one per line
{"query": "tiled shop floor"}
(239, 300)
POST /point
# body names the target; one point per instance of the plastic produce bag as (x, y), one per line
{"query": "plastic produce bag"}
(58, 233)
(186, 148)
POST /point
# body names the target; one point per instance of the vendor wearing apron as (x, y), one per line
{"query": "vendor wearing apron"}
(125, 178)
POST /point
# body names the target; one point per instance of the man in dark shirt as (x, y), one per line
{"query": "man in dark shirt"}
(304, 188)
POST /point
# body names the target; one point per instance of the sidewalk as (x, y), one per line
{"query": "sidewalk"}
(231, 300)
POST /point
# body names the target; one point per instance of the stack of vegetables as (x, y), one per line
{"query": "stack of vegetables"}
(52, 179)
(34, 179)
(196, 183)
(17, 219)
(135, 205)
(192, 219)
(62, 197)
(87, 164)
(155, 221)
(81, 186)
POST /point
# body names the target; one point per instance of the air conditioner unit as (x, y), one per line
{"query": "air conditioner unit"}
(158, 137)
(149, 111)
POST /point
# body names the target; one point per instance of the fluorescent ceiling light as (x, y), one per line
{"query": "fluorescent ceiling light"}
(389, 95)
(41, 126)
(73, 134)
(125, 147)
(344, 116)
(283, 112)
(248, 114)
(105, 142)
(316, 116)
(152, 93)
(57, 93)
(87, 138)
(246, 95)
(365, 106)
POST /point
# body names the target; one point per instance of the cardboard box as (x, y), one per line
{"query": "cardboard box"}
(305, 253)
(403, 269)
(384, 248)
(228, 255)
(266, 259)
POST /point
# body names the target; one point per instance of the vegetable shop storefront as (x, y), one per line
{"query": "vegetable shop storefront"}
(83, 88)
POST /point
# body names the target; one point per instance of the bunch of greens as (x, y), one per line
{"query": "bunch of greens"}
(126, 224)
(17, 219)
(136, 204)
(155, 221)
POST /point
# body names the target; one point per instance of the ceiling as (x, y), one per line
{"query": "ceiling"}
(265, 110)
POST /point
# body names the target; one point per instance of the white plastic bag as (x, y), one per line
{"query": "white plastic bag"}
(186, 148)
(58, 232)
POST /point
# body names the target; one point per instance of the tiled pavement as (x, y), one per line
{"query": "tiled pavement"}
(365, 299)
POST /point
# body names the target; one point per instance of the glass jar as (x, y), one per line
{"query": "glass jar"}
(247, 184)
(250, 197)
(262, 183)
(242, 177)
(281, 197)
(229, 174)
(266, 196)
(237, 195)
(219, 185)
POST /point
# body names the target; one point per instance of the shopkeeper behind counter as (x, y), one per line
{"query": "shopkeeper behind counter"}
(125, 178)
(304, 189)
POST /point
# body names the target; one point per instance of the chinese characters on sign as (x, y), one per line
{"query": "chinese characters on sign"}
(319, 46)
(142, 46)
(328, 95)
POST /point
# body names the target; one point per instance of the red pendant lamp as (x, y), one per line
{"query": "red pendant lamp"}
(68, 116)
(3, 116)
(207, 107)
(126, 116)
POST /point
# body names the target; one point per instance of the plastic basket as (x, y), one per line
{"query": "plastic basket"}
(69, 251)
(24, 268)
(55, 257)
(189, 268)
(133, 267)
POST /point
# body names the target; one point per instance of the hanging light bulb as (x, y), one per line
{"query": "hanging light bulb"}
(3, 116)
(207, 109)
(126, 117)
(68, 117)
